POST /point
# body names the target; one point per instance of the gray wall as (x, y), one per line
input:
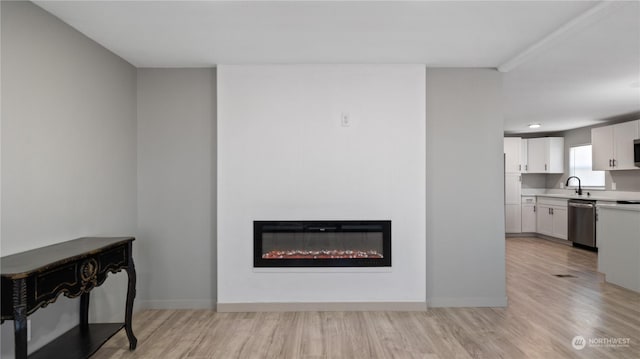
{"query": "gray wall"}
(534, 180)
(176, 188)
(68, 151)
(580, 136)
(465, 193)
(625, 180)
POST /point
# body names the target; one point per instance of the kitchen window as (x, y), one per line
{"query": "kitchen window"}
(580, 165)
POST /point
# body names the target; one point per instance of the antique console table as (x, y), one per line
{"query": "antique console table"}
(34, 279)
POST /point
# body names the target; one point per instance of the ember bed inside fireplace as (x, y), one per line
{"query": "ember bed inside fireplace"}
(322, 243)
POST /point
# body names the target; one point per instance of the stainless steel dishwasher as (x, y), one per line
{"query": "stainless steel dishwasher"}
(582, 222)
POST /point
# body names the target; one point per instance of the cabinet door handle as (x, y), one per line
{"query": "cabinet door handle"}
(609, 162)
(534, 209)
(545, 166)
(519, 167)
(526, 167)
(551, 211)
(614, 162)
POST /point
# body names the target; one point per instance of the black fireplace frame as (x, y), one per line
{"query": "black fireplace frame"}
(260, 227)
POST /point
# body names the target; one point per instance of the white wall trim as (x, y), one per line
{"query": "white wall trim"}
(322, 306)
(176, 304)
(324, 270)
(467, 302)
(586, 17)
(564, 242)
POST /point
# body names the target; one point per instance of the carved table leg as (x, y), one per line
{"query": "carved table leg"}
(20, 317)
(84, 311)
(131, 294)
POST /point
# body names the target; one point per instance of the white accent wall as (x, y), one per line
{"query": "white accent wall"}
(283, 155)
(68, 152)
(465, 188)
(176, 188)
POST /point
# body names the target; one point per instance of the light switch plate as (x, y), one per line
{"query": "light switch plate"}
(345, 119)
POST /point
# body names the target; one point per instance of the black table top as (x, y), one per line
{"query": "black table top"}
(22, 264)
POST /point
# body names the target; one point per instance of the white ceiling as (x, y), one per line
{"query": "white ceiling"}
(582, 79)
(568, 82)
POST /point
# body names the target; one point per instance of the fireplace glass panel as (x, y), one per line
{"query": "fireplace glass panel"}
(322, 245)
(325, 243)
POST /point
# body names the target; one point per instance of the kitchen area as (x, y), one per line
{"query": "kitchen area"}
(579, 187)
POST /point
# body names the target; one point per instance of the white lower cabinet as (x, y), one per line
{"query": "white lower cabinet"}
(560, 225)
(512, 218)
(512, 185)
(552, 217)
(544, 220)
(528, 214)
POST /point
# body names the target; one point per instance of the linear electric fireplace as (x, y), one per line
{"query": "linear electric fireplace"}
(322, 243)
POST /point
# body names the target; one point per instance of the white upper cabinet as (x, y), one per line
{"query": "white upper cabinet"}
(524, 161)
(623, 136)
(612, 146)
(545, 155)
(512, 146)
(601, 148)
(536, 155)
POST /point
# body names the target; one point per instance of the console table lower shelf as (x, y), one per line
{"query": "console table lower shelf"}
(34, 279)
(77, 342)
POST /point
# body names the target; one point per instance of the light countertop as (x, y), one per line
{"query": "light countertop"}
(596, 195)
(618, 206)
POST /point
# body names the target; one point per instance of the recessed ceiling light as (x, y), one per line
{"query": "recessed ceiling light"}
(534, 125)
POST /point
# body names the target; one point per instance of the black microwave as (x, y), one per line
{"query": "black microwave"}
(636, 152)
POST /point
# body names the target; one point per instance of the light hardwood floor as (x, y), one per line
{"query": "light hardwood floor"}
(545, 312)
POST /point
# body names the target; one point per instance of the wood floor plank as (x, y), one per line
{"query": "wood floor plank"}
(545, 312)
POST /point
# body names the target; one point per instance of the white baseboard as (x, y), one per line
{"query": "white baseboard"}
(137, 306)
(467, 302)
(538, 235)
(322, 306)
(176, 304)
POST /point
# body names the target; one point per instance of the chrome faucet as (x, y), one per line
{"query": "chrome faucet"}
(579, 190)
